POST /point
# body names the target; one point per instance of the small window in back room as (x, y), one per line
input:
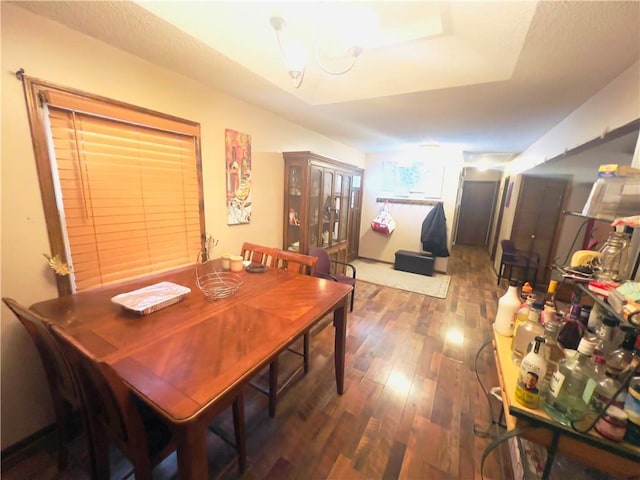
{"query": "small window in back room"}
(413, 179)
(121, 185)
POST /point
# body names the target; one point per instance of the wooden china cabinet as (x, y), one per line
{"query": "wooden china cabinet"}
(322, 205)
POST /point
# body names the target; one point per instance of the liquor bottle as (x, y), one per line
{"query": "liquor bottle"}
(575, 306)
(553, 352)
(605, 335)
(571, 332)
(523, 313)
(619, 359)
(585, 311)
(570, 390)
(549, 314)
(550, 297)
(606, 386)
(508, 307)
(595, 318)
(532, 372)
(525, 333)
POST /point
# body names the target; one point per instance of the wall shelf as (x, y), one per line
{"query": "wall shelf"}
(587, 217)
(407, 201)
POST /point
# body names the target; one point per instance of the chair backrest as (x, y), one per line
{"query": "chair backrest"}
(324, 261)
(111, 409)
(58, 371)
(294, 261)
(509, 252)
(257, 253)
(508, 246)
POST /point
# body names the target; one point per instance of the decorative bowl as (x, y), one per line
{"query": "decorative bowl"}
(216, 285)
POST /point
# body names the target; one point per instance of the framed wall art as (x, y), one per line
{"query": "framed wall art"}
(239, 176)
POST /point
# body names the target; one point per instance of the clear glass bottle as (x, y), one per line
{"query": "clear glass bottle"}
(526, 332)
(606, 386)
(595, 318)
(549, 314)
(523, 313)
(553, 352)
(570, 390)
(606, 334)
(619, 359)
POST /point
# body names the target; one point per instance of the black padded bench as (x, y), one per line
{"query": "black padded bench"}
(414, 262)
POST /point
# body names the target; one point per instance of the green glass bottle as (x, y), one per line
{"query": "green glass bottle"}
(570, 389)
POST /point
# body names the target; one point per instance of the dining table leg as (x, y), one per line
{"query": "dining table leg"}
(340, 324)
(191, 449)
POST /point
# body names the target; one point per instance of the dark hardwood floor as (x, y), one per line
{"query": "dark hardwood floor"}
(412, 406)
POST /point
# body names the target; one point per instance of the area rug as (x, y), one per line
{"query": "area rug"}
(381, 273)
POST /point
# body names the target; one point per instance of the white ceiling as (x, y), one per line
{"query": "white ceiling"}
(489, 76)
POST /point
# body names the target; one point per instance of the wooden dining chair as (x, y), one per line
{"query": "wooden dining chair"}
(114, 414)
(62, 386)
(305, 265)
(294, 262)
(257, 253)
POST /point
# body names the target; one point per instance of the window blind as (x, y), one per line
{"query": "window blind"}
(130, 189)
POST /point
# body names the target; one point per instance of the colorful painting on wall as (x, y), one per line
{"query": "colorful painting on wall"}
(238, 169)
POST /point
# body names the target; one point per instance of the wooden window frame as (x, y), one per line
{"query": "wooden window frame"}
(33, 89)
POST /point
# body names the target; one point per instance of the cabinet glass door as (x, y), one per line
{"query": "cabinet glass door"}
(327, 209)
(344, 211)
(337, 209)
(294, 203)
(315, 213)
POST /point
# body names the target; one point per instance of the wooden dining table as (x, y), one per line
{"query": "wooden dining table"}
(190, 359)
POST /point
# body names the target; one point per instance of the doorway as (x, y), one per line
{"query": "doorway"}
(535, 225)
(476, 212)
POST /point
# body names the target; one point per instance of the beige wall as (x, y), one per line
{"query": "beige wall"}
(408, 217)
(617, 104)
(54, 53)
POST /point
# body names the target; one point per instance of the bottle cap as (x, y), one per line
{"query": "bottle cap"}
(617, 413)
(514, 283)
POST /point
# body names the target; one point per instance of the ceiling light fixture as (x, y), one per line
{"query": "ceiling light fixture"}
(294, 57)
